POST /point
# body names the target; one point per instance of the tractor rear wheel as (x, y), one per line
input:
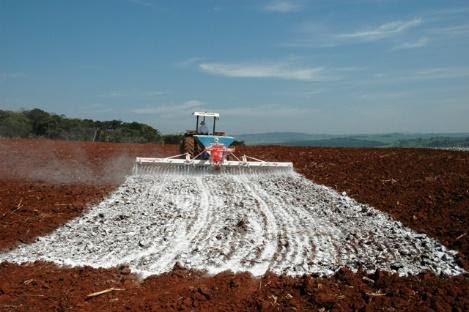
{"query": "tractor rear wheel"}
(188, 145)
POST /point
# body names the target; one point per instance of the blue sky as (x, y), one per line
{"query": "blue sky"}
(356, 66)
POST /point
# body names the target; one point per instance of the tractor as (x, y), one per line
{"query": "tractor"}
(207, 153)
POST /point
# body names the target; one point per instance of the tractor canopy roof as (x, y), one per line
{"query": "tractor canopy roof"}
(206, 114)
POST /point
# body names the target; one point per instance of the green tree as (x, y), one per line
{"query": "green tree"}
(39, 121)
(14, 125)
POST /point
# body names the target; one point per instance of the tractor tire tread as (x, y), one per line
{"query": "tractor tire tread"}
(188, 145)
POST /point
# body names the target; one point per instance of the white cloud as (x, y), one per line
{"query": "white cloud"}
(112, 95)
(307, 94)
(7, 76)
(141, 2)
(437, 73)
(170, 109)
(192, 104)
(383, 95)
(442, 73)
(152, 93)
(190, 61)
(283, 6)
(319, 34)
(269, 115)
(383, 31)
(412, 45)
(118, 94)
(441, 13)
(96, 108)
(278, 70)
(456, 30)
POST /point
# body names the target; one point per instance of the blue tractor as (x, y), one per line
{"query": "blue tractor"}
(207, 152)
(195, 142)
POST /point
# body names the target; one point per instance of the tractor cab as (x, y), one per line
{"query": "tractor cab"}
(202, 118)
(196, 141)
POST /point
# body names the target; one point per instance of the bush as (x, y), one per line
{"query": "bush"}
(14, 125)
(172, 138)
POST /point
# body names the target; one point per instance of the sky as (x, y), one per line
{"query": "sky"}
(335, 67)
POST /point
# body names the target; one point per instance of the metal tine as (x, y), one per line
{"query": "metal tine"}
(171, 169)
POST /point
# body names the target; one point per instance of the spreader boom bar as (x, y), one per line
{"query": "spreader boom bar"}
(199, 162)
(148, 165)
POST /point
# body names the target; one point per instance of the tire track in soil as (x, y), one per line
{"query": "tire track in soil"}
(224, 244)
(291, 249)
(282, 223)
(315, 228)
(269, 242)
(218, 241)
(161, 242)
(184, 234)
(140, 257)
(323, 235)
(205, 241)
(250, 234)
(231, 241)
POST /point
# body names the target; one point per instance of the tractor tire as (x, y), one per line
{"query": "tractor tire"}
(188, 145)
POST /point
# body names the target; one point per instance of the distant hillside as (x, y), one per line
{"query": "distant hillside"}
(338, 142)
(362, 140)
(279, 137)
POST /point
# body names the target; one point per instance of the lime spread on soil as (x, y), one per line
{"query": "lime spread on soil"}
(281, 223)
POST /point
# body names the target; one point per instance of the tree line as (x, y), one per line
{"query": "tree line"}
(36, 123)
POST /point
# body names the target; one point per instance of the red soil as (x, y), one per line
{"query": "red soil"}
(45, 287)
(45, 183)
(31, 209)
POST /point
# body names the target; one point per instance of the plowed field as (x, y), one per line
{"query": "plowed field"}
(188, 228)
